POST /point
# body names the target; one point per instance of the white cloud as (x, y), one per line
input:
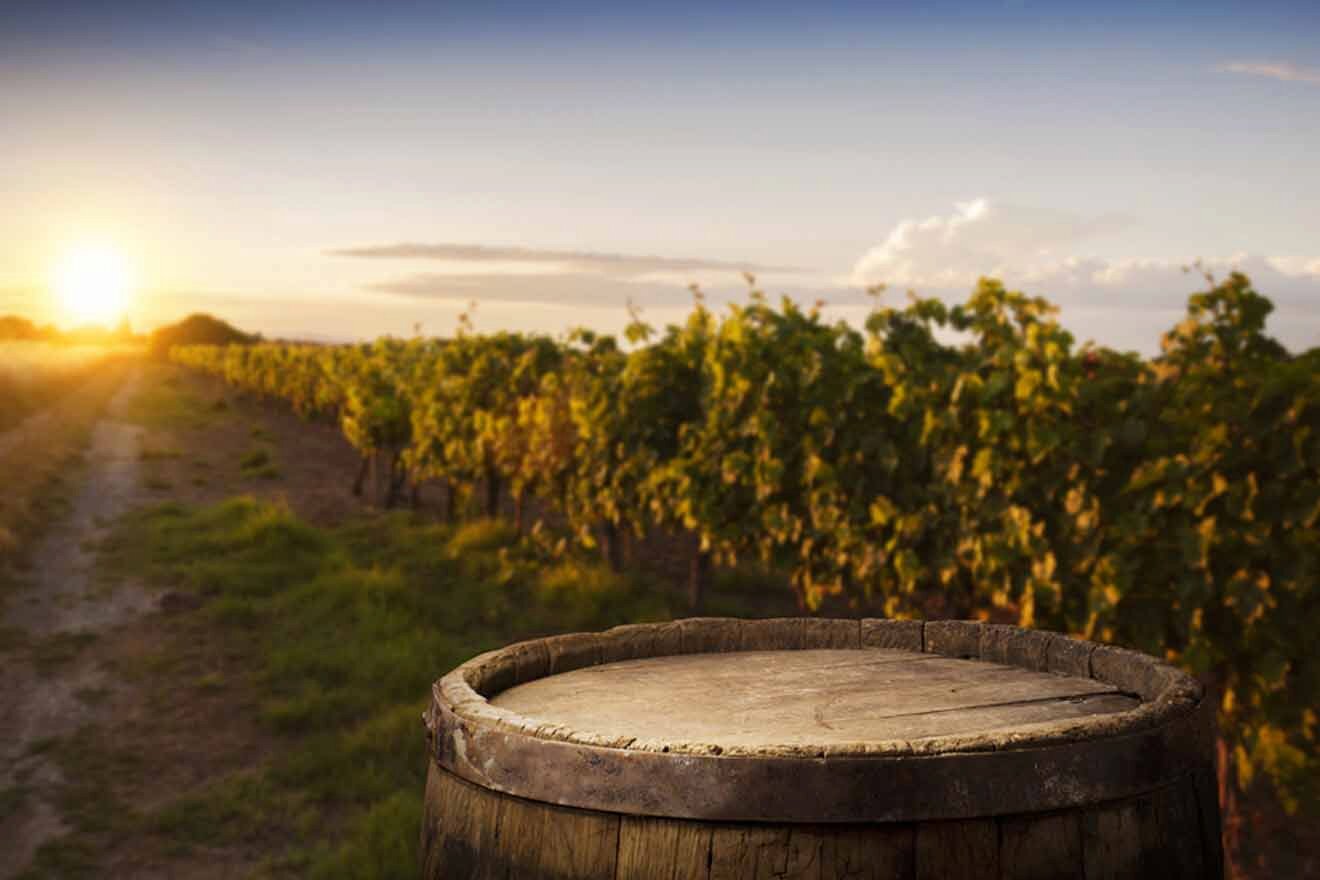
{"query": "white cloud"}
(591, 291)
(588, 279)
(978, 238)
(1034, 248)
(1116, 301)
(578, 289)
(1296, 265)
(1282, 70)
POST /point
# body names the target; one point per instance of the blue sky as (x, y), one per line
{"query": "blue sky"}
(533, 154)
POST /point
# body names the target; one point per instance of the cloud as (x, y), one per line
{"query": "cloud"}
(1162, 284)
(1122, 302)
(554, 261)
(586, 279)
(589, 291)
(978, 238)
(1282, 70)
(1119, 301)
(578, 289)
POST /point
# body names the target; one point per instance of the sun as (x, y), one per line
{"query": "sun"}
(93, 282)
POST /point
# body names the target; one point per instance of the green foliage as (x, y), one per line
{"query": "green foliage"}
(1172, 504)
(481, 536)
(165, 405)
(259, 462)
(381, 844)
(239, 807)
(1219, 529)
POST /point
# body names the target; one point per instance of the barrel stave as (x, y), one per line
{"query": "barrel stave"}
(472, 833)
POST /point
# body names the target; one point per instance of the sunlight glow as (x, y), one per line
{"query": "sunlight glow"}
(92, 282)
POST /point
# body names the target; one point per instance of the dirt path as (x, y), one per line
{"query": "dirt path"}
(62, 606)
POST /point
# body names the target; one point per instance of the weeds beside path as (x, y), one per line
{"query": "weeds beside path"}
(55, 611)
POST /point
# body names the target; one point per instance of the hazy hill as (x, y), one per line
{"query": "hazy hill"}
(198, 329)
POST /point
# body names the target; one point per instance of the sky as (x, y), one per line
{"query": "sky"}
(344, 170)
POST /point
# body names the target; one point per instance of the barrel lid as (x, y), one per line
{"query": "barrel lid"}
(807, 719)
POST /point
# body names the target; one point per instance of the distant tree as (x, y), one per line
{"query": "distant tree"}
(198, 329)
(14, 327)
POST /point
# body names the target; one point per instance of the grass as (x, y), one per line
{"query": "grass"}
(88, 801)
(241, 807)
(164, 403)
(39, 469)
(42, 745)
(40, 475)
(259, 462)
(211, 681)
(153, 453)
(63, 857)
(12, 637)
(750, 591)
(11, 800)
(33, 375)
(346, 629)
(9, 544)
(256, 458)
(58, 650)
(92, 695)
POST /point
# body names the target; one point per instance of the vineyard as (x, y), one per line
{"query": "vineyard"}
(973, 452)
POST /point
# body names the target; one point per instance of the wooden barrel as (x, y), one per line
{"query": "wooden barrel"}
(807, 748)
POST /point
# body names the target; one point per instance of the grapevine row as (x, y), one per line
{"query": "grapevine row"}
(1172, 504)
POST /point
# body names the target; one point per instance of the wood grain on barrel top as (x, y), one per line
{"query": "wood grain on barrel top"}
(813, 696)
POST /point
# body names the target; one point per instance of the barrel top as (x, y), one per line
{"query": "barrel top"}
(821, 697)
(807, 719)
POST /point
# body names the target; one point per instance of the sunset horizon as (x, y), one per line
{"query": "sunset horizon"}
(333, 172)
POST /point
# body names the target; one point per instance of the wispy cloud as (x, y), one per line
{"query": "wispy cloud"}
(554, 261)
(577, 289)
(1283, 70)
(585, 290)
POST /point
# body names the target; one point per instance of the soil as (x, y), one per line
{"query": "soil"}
(62, 599)
(310, 466)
